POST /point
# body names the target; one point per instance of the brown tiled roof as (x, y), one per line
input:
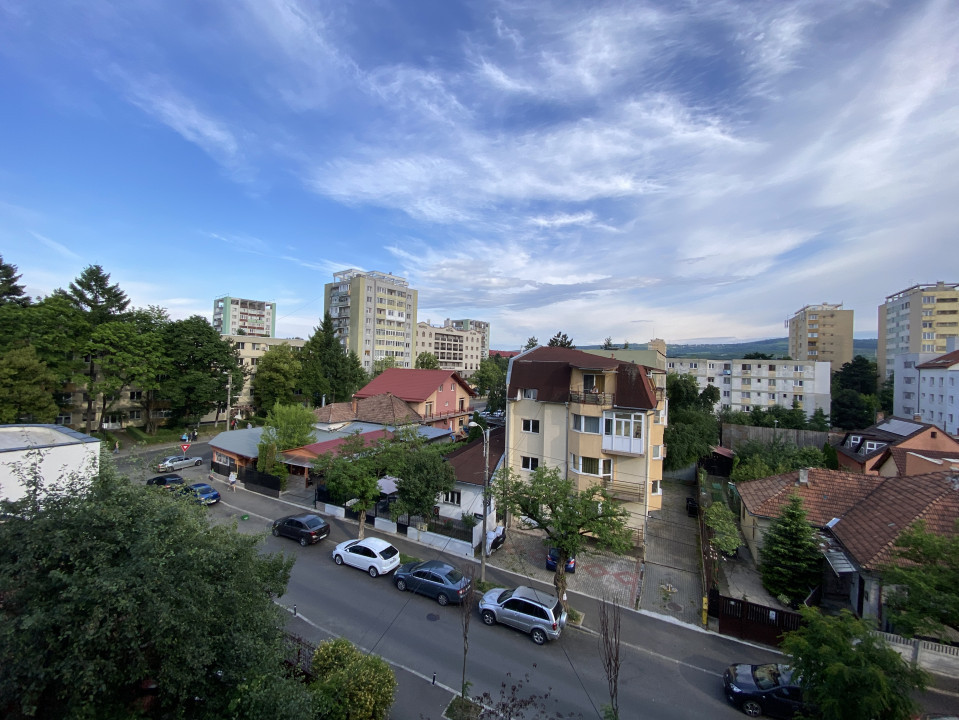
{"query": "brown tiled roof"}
(943, 362)
(916, 462)
(870, 529)
(828, 494)
(467, 461)
(386, 409)
(307, 452)
(335, 413)
(570, 356)
(411, 384)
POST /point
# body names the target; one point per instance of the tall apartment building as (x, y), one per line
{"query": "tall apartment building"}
(919, 319)
(374, 315)
(747, 384)
(821, 333)
(237, 316)
(455, 348)
(480, 326)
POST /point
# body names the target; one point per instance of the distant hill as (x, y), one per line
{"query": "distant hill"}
(777, 347)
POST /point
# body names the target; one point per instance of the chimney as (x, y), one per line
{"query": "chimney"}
(353, 405)
(917, 417)
(803, 476)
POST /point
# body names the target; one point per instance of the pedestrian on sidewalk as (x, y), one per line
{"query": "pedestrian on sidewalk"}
(233, 480)
(116, 447)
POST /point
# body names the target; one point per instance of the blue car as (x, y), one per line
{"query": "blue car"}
(552, 558)
(204, 493)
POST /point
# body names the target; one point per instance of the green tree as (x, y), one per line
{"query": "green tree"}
(791, 563)
(477, 427)
(351, 685)
(608, 343)
(55, 328)
(292, 425)
(819, 421)
(351, 475)
(422, 474)
(924, 596)
(852, 410)
(567, 515)
(830, 457)
(328, 369)
(125, 587)
(277, 377)
(26, 388)
(560, 340)
(490, 380)
(860, 375)
(752, 468)
(626, 345)
(383, 364)
(531, 343)
(427, 361)
(887, 394)
(689, 436)
(779, 455)
(200, 362)
(683, 392)
(721, 520)
(10, 290)
(850, 673)
(709, 397)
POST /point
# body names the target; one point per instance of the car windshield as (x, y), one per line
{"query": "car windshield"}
(768, 677)
(204, 488)
(314, 523)
(388, 552)
(454, 576)
(504, 596)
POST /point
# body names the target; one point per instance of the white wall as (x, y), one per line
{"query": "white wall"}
(38, 451)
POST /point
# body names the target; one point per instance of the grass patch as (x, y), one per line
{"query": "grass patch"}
(461, 708)
(484, 586)
(404, 558)
(575, 616)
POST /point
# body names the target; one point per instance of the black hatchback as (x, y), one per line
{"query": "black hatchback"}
(434, 578)
(307, 529)
(166, 480)
(763, 690)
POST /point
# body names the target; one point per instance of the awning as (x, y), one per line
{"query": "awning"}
(839, 561)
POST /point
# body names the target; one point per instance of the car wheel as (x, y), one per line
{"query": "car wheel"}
(539, 637)
(276, 532)
(303, 542)
(198, 463)
(488, 617)
(442, 599)
(373, 571)
(752, 708)
(401, 585)
(338, 559)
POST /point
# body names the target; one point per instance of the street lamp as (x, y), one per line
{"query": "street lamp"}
(485, 494)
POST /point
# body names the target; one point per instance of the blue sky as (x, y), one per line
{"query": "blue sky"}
(687, 170)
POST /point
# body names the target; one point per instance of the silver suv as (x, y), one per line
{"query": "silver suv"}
(533, 611)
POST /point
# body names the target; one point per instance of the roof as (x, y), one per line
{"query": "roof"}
(27, 436)
(242, 442)
(411, 385)
(827, 494)
(869, 530)
(505, 353)
(918, 462)
(943, 362)
(304, 456)
(891, 431)
(385, 409)
(467, 460)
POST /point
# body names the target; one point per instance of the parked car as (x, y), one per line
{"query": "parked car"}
(166, 480)
(375, 556)
(305, 529)
(433, 578)
(763, 690)
(692, 507)
(552, 559)
(203, 493)
(533, 611)
(177, 462)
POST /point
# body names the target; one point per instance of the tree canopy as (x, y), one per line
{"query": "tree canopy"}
(327, 368)
(427, 361)
(567, 515)
(11, 291)
(531, 342)
(852, 410)
(848, 672)
(791, 563)
(277, 377)
(490, 380)
(26, 388)
(560, 339)
(689, 436)
(860, 374)
(422, 474)
(352, 474)
(352, 685)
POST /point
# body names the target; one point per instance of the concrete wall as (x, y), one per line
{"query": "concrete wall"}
(32, 453)
(936, 658)
(446, 544)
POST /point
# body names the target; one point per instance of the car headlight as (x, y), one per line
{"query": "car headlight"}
(734, 688)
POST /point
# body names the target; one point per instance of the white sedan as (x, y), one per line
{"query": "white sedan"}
(375, 556)
(177, 462)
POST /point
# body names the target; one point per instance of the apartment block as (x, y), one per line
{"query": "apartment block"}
(250, 351)
(456, 349)
(374, 315)
(905, 403)
(238, 316)
(480, 326)
(938, 390)
(597, 420)
(821, 333)
(747, 384)
(919, 319)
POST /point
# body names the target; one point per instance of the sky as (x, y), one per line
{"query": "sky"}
(694, 171)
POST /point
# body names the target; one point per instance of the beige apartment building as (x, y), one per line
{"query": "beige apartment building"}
(374, 315)
(454, 348)
(821, 333)
(598, 420)
(919, 319)
(250, 352)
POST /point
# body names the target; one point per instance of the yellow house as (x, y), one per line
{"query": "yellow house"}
(596, 419)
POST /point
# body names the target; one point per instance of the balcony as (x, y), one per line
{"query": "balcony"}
(626, 491)
(592, 397)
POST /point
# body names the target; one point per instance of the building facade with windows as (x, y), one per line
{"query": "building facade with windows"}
(905, 402)
(455, 348)
(938, 388)
(238, 316)
(919, 319)
(821, 333)
(480, 326)
(374, 315)
(598, 420)
(747, 384)
(250, 350)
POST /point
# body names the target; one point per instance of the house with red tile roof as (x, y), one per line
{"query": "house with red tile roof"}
(385, 409)
(865, 450)
(441, 398)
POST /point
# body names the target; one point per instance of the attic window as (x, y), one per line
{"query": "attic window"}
(933, 434)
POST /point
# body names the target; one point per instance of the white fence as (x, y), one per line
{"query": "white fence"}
(931, 656)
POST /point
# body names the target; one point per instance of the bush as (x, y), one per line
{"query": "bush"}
(721, 520)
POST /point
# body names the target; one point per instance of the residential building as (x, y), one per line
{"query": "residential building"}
(918, 319)
(250, 351)
(938, 389)
(440, 397)
(460, 350)
(480, 326)
(468, 464)
(47, 453)
(747, 384)
(864, 451)
(822, 333)
(652, 355)
(238, 316)
(595, 419)
(374, 315)
(905, 402)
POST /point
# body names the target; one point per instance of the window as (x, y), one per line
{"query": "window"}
(530, 463)
(529, 393)
(136, 394)
(658, 417)
(655, 488)
(64, 419)
(658, 453)
(586, 424)
(797, 383)
(530, 426)
(134, 414)
(452, 497)
(240, 346)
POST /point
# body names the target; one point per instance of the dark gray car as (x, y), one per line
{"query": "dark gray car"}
(433, 578)
(305, 529)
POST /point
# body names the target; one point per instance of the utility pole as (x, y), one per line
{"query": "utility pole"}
(229, 392)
